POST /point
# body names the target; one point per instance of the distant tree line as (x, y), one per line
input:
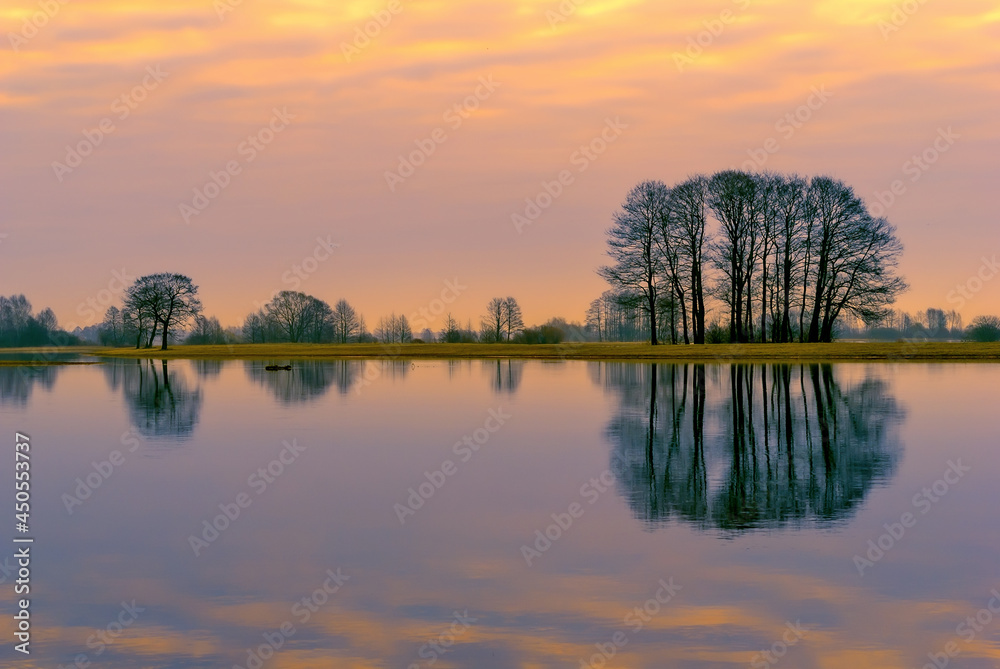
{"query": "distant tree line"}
(20, 327)
(785, 256)
(789, 260)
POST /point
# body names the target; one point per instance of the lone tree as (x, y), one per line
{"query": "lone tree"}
(502, 320)
(163, 300)
(634, 246)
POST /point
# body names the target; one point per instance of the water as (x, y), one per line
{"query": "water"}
(394, 514)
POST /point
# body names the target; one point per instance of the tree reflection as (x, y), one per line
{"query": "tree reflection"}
(307, 380)
(17, 382)
(505, 375)
(207, 369)
(159, 401)
(747, 446)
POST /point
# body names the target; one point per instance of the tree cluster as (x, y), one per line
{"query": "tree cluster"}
(295, 317)
(786, 256)
(153, 306)
(20, 327)
(502, 321)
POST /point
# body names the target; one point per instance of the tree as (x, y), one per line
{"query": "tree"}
(784, 244)
(732, 199)
(161, 301)
(687, 230)
(856, 262)
(492, 323)
(451, 333)
(206, 331)
(393, 329)
(289, 312)
(346, 323)
(632, 242)
(513, 322)
(141, 304)
(319, 325)
(984, 329)
(792, 215)
(112, 330)
(19, 327)
(255, 328)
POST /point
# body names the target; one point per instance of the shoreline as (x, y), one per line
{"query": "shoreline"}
(623, 352)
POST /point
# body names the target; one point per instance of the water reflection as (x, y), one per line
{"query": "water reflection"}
(207, 369)
(17, 382)
(160, 403)
(505, 375)
(306, 380)
(746, 446)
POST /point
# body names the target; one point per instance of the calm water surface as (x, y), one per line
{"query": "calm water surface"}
(495, 514)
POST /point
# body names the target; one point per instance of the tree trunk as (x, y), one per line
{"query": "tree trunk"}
(651, 295)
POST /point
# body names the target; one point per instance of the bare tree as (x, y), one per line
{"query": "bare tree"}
(206, 331)
(731, 199)
(857, 256)
(160, 301)
(793, 212)
(289, 311)
(393, 329)
(178, 304)
(112, 330)
(783, 244)
(687, 230)
(319, 325)
(513, 321)
(632, 241)
(346, 323)
(492, 323)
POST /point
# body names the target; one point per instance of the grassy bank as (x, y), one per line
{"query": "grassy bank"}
(840, 351)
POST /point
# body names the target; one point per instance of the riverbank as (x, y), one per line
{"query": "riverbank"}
(838, 351)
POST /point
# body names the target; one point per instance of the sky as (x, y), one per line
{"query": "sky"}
(433, 155)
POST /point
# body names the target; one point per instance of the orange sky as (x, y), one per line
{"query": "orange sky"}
(199, 79)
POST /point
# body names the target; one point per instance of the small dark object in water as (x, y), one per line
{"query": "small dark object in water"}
(274, 368)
